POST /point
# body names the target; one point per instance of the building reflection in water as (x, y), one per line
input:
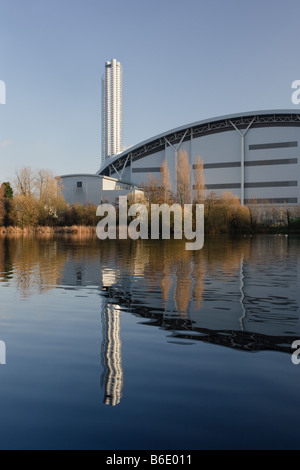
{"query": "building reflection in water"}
(242, 295)
(111, 355)
(239, 294)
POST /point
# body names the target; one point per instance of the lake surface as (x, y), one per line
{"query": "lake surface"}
(144, 345)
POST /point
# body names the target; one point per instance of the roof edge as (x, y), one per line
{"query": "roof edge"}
(194, 124)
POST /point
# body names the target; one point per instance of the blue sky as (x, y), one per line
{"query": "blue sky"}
(183, 61)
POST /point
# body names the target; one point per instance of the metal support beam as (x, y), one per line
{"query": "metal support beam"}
(191, 160)
(116, 170)
(242, 134)
(124, 166)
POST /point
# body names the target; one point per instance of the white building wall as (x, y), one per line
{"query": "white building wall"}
(83, 189)
(141, 168)
(269, 173)
(272, 156)
(92, 189)
(108, 184)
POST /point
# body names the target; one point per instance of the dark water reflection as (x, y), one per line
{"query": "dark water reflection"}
(240, 294)
(247, 288)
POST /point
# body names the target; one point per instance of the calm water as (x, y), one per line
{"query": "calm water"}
(143, 345)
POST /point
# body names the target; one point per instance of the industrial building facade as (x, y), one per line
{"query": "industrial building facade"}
(85, 188)
(255, 155)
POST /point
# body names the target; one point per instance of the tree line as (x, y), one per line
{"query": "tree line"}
(34, 198)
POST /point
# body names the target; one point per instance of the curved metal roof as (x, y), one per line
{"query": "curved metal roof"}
(265, 118)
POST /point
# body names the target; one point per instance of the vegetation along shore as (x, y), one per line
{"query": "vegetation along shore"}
(32, 203)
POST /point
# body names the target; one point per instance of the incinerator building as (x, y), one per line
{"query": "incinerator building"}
(255, 155)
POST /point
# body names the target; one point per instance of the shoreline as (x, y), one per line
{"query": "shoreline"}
(89, 230)
(47, 230)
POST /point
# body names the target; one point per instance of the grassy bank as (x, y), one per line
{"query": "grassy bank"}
(74, 229)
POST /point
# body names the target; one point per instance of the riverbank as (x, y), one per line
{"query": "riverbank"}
(40, 230)
(89, 230)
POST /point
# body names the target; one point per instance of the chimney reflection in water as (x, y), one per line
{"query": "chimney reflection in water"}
(111, 355)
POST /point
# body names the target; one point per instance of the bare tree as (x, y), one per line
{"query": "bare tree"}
(48, 189)
(152, 189)
(24, 182)
(166, 185)
(229, 199)
(38, 194)
(183, 178)
(25, 211)
(199, 182)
